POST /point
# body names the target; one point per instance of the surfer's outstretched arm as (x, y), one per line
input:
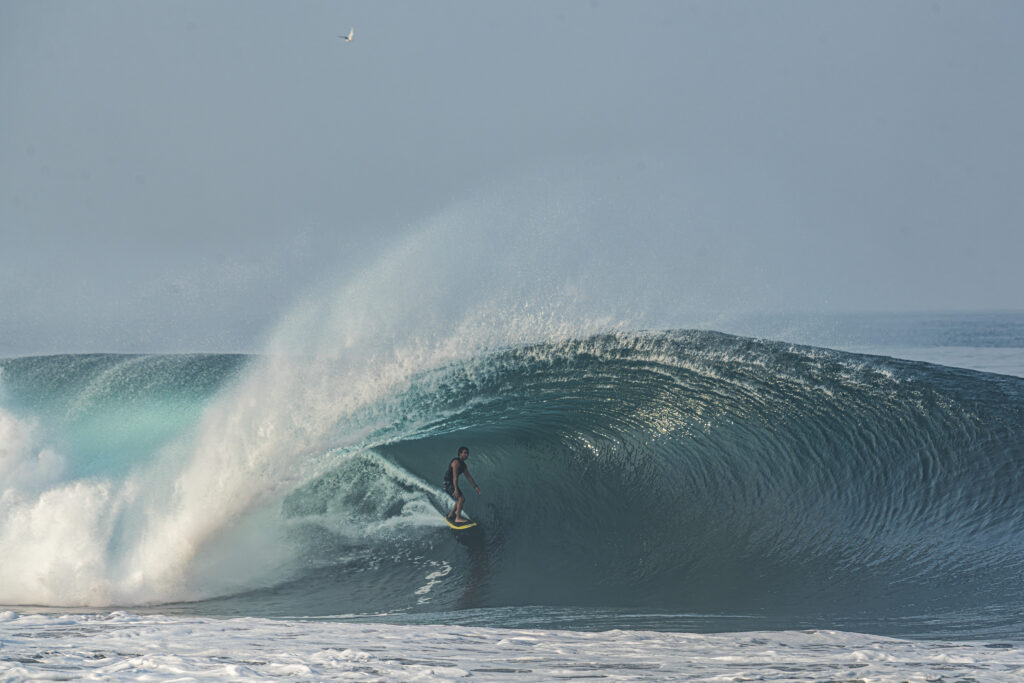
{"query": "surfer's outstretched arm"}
(470, 478)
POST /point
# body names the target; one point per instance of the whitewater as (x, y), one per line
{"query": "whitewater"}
(659, 503)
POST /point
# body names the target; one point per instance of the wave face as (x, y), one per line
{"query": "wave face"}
(686, 472)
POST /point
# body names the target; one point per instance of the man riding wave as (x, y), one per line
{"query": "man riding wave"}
(451, 485)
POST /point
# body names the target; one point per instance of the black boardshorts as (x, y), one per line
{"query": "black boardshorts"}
(450, 490)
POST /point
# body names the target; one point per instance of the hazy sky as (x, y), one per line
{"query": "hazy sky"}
(174, 175)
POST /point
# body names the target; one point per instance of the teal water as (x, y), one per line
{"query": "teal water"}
(677, 480)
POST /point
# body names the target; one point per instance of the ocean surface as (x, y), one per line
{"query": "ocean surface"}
(815, 498)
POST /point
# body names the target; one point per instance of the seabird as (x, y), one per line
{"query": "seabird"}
(351, 34)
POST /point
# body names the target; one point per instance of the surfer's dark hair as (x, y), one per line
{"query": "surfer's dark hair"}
(463, 449)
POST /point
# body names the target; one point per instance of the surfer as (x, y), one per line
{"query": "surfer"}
(451, 484)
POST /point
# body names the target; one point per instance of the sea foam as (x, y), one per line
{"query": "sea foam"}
(124, 646)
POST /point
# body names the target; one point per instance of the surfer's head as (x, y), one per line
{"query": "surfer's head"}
(463, 452)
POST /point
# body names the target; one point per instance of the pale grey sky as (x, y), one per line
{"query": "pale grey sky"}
(174, 175)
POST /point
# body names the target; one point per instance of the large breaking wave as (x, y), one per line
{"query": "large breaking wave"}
(679, 470)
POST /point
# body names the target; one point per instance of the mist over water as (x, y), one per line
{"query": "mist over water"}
(144, 471)
(624, 468)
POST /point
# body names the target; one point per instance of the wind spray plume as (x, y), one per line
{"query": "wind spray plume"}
(478, 277)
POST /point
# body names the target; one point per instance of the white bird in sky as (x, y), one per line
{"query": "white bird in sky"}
(350, 36)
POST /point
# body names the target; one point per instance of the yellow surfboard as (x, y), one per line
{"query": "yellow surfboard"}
(459, 527)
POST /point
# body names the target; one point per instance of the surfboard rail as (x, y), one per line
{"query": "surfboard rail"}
(458, 527)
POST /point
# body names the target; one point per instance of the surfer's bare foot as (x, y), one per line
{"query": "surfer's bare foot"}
(461, 521)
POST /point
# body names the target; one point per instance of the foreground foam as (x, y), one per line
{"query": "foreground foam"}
(123, 646)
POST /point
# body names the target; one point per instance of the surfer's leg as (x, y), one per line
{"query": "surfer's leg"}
(458, 509)
(450, 490)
